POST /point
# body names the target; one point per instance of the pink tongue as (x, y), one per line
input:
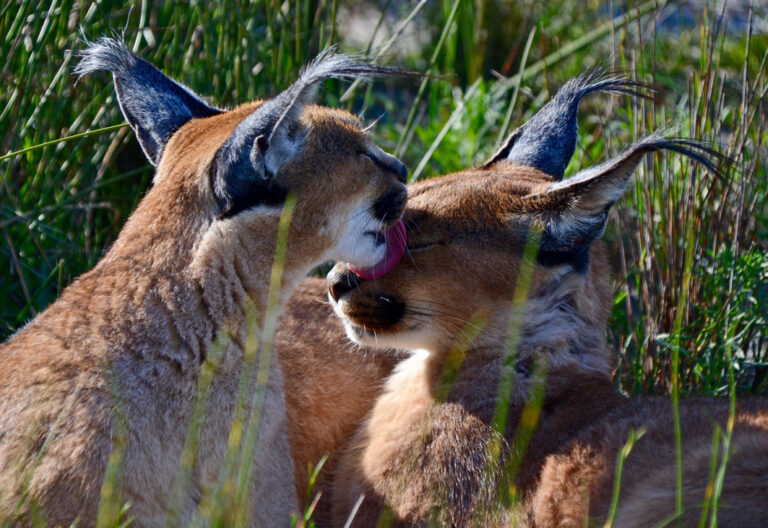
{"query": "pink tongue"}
(394, 238)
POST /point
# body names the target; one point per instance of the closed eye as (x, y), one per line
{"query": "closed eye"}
(420, 246)
(376, 161)
(369, 156)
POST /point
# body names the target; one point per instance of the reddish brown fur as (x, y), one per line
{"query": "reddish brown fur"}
(331, 384)
(424, 455)
(127, 338)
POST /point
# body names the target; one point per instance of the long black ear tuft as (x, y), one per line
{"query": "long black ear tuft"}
(327, 65)
(548, 139)
(154, 105)
(243, 169)
(573, 213)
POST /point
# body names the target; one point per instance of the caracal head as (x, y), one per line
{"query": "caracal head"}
(221, 172)
(470, 234)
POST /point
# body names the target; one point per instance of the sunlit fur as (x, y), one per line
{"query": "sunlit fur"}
(122, 348)
(332, 385)
(422, 451)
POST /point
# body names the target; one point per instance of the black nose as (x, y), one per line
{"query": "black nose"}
(390, 206)
(341, 282)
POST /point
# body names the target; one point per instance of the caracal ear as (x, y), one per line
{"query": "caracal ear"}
(547, 140)
(154, 105)
(244, 170)
(573, 213)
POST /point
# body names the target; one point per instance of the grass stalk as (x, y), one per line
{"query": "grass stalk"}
(710, 489)
(245, 476)
(81, 135)
(353, 512)
(675, 361)
(455, 115)
(531, 411)
(314, 472)
(409, 121)
(634, 436)
(197, 420)
(516, 90)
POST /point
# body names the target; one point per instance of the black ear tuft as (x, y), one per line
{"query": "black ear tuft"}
(548, 139)
(154, 105)
(574, 212)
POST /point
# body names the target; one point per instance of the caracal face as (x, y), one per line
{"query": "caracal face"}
(364, 192)
(467, 235)
(465, 247)
(222, 172)
(348, 190)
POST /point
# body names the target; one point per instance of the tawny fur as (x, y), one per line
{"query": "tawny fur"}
(422, 453)
(331, 385)
(122, 348)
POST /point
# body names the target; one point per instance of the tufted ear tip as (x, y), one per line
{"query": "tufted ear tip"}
(548, 139)
(615, 173)
(577, 209)
(154, 105)
(106, 54)
(327, 65)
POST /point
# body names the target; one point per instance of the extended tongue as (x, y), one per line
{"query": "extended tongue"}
(394, 238)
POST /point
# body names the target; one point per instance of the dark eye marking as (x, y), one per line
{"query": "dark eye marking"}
(418, 246)
(370, 157)
(388, 163)
(376, 161)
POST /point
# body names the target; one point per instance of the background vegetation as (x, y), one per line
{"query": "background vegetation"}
(690, 248)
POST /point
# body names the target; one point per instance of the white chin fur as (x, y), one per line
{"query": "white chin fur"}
(405, 340)
(356, 245)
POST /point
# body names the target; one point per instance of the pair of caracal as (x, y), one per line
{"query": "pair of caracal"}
(482, 314)
(488, 322)
(116, 366)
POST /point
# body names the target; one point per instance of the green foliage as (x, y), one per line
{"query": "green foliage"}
(690, 248)
(731, 315)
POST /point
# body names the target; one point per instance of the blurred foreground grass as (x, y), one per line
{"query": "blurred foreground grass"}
(690, 249)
